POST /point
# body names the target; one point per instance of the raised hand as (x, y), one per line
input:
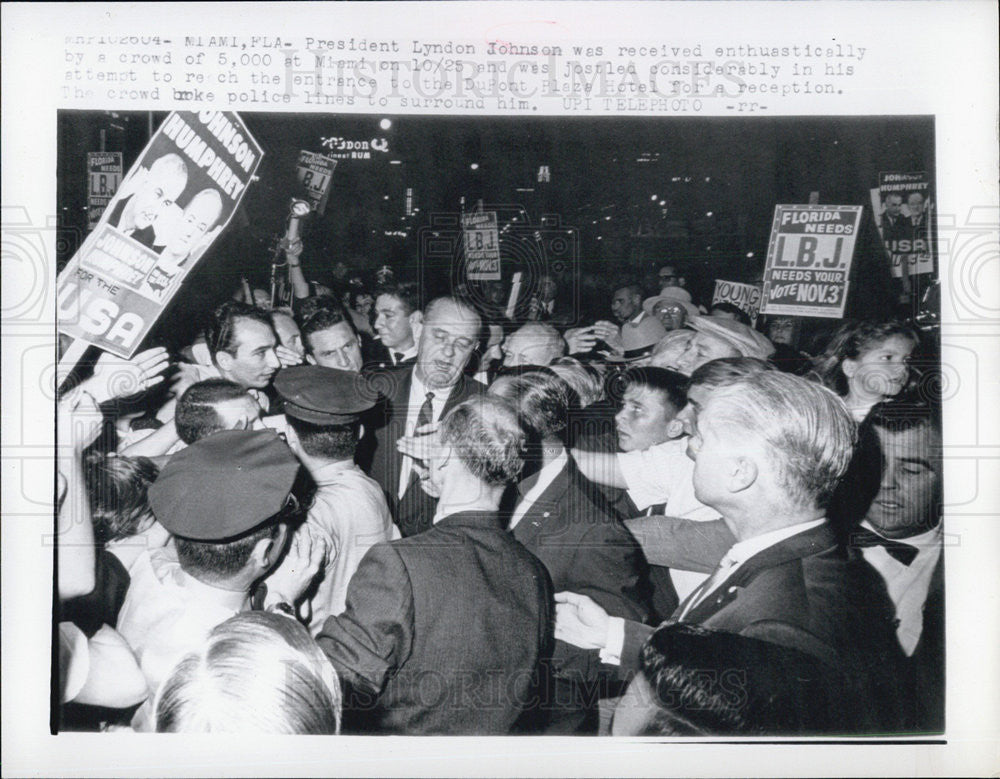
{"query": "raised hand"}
(117, 378)
(307, 554)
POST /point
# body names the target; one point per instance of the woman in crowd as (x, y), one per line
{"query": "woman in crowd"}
(258, 672)
(867, 362)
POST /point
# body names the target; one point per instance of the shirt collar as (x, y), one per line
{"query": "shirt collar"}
(637, 318)
(169, 571)
(926, 540)
(419, 390)
(744, 550)
(328, 472)
(406, 354)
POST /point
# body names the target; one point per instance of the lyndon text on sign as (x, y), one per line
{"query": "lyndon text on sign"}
(178, 196)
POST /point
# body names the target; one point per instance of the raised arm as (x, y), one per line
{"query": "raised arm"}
(600, 468)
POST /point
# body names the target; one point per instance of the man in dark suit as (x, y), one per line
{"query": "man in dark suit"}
(444, 630)
(417, 395)
(397, 321)
(901, 538)
(567, 523)
(768, 452)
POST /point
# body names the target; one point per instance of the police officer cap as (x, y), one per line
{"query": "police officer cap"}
(323, 396)
(224, 485)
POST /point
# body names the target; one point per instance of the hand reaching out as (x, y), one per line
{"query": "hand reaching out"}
(580, 621)
(307, 554)
(580, 339)
(117, 378)
(420, 445)
(287, 357)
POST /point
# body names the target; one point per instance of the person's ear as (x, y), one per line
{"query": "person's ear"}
(443, 455)
(849, 367)
(742, 474)
(268, 551)
(224, 360)
(416, 321)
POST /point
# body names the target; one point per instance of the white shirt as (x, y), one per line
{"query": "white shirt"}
(742, 551)
(418, 394)
(546, 476)
(167, 614)
(908, 585)
(350, 511)
(665, 474)
(734, 559)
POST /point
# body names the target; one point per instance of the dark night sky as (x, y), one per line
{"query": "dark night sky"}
(735, 169)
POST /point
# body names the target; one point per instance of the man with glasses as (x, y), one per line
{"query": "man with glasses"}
(420, 394)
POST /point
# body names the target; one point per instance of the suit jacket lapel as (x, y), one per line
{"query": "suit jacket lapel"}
(797, 547)
(534, 521)
(396, 427)
(464, 389)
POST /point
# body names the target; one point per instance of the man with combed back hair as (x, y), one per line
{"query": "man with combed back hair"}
(417, 394)
(768, 452)
(567, 523)
(443, 630)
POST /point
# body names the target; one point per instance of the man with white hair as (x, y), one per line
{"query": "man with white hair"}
(768, 452)
(534, 343)
(658, 481)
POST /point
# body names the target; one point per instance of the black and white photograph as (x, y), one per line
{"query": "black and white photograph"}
(383, 404)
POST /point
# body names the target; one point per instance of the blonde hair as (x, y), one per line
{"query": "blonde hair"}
(257, 673)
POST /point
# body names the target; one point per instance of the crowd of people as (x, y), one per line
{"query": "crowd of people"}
(370, 512)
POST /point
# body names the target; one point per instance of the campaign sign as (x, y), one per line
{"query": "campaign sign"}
(745, 297)
(104, 174)
(903, 220)
(316, 173)
(481, 241)
(176, 199)
(809, 260)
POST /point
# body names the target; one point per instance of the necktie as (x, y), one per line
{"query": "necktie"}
(863, 538)
(426, 414)
(707, 586)
(397, 358)
(424, 417)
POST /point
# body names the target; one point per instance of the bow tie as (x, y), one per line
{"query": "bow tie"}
(862, 538)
